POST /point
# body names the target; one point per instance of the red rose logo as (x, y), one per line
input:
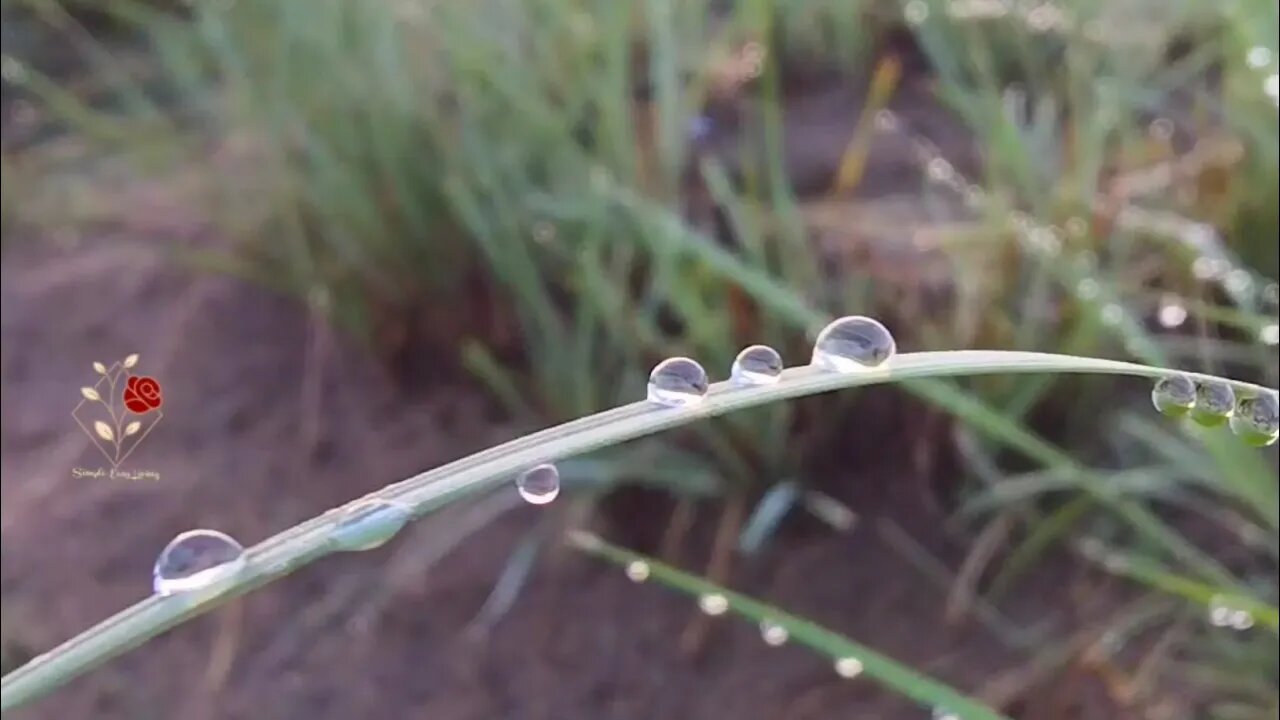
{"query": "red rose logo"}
(141, 394)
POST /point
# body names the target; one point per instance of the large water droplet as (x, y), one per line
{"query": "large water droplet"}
(713, 604)
(368, 524)
(757, 365)
(539, 485)
(1215, 403)
(773, 634)
(1174, 395)
(1257, 420)
(196, 559)
(677, 382)
(848, 667)
(853, 343)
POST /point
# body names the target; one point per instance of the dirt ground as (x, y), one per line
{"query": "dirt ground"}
(270, 419)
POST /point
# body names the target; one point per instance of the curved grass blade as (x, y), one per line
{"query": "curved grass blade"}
(310, 540)
(888, 672)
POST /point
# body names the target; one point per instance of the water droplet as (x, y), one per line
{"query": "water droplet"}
(1087, 289)
(196, 559)
(757, 365)
(368, 524)
(1161, 129)
(773, 634)
(1259, 57)
(677, 382)
(1257, 420)
(637, 571)
(886, 121)
(1172, 313)
(941, 713)
(1112, 315)
(1174, 396)
(1270, 334)
(848, 667)
(939, 170)
(1215, 403)
(1238, 281)
(853, 343)
(539, 485)
(713, 604)
(915, 12)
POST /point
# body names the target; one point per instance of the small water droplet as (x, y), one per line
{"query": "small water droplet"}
(941, 713)
(196, 559)
(1112, 315)
(1215, 403)
(677, 382)
(886, 121)
(848, 667)
(1174, 396)
(916, 12)
(757, 365)
(853, 343)
(773, 634)
(539, 485)
(1258, 57)
(1238, 281)
(1269, 334)
(637, 571)
(713, 604)
(1256, 420)
(939, 170)
(1172, 312)
(368, 524)
(1087, 289)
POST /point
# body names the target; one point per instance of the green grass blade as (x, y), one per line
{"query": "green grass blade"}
(308, 541)
(888, 672)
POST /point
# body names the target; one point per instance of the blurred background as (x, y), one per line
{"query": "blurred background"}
(357, 239)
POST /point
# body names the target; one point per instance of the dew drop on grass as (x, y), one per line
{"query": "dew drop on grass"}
(677, 382)
(853, 343)
(1256, 420)
(941, 713)
(773, 634)
(1215, 403)
(848, 667)
(637, 571)
(368, 524)
(1223, 614)
(196, 559)
(713, 604)
(539, 485)
(1174, 395)
(1172, 313)
(1259, 57)
(756, 365)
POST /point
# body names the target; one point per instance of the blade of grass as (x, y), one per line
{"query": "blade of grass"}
(884, 670)
(308, 541)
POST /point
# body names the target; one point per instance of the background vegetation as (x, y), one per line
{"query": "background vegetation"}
(541, 199)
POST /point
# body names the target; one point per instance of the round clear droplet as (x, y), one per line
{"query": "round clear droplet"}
(773, 634)
(757, 365)
(713, 604)
(368, 524)
(1172, 312)
(848, 667)
(1215, 403)
(637, 571)
(539, 485)
(1256, 420)
(1174, 396)
(1259, 57)
(196, 559)
(853, 343)
(677, 382)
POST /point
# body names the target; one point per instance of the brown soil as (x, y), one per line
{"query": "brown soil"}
(270, 419)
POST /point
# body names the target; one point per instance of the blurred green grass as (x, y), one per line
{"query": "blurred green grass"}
(547, 161)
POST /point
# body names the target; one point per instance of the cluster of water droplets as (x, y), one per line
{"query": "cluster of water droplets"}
(1212, 403)
(1222, 613)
